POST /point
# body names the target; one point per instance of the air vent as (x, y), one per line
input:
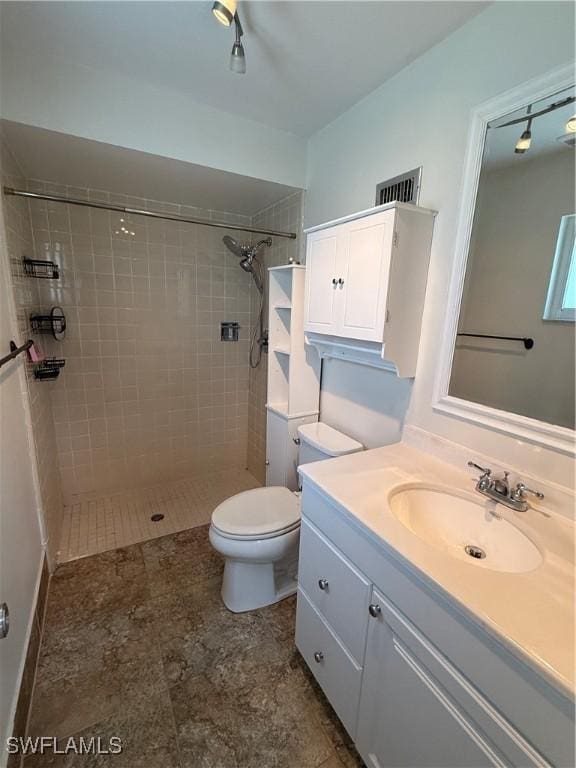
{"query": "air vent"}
(403, 189)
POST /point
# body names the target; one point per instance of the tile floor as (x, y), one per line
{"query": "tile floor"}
(99, 523)
(137, 644)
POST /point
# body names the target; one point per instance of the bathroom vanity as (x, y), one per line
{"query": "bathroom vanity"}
(431, 656)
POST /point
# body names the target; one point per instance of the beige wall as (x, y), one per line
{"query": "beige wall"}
(149, 392)
(26, 293)
(515, 233)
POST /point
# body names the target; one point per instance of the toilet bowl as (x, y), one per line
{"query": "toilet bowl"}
(258, 531)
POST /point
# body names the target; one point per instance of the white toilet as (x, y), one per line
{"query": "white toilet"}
(258, 531)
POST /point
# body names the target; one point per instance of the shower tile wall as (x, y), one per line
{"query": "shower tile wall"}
(286, 215)
(149, 392)
(27, 297)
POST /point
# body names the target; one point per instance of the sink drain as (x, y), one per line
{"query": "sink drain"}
(475, 552)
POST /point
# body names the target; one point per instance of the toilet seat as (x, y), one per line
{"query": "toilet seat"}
(261, 513)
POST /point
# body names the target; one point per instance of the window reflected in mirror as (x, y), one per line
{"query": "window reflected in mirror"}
(516, 332)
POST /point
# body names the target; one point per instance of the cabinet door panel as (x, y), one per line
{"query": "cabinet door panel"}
(406, 717)
(321, 270)
(368, 253)
(276, 434)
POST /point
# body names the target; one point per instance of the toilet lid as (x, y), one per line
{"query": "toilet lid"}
(258, 512)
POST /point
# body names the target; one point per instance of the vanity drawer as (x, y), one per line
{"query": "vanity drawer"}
(337, 672)
(335, 587)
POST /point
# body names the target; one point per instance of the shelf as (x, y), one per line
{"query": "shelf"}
(284, 267)
(42, 269)
(287, 307)
(282, 410)
(281, 350)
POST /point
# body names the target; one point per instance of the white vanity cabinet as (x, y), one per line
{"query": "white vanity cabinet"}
(415, 682)
(406, 717)
(365, 285)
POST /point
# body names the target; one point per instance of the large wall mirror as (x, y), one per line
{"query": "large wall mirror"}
(514, 335)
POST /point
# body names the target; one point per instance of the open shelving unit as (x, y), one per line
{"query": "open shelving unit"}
(293, 374)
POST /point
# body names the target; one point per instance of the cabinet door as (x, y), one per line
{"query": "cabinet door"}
(276, 435)
(322, 256)
(368, 250)
(406, 719)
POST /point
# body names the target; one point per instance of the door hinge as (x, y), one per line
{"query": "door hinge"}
(395, 239)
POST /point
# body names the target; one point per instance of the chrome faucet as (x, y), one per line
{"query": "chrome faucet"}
(498, 489)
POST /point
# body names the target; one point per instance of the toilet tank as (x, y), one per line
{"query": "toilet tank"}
(318, 441)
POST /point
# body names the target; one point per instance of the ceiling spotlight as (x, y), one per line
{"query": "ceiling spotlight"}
(523, 143)
(570, 126)
(224, 10)
(238, 57)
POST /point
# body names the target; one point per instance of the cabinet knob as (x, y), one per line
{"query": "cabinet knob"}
(374, 610)
(334, 281)
(296, 440)
(318, 657)
(323, 584)
(267, 463)
(340, 282)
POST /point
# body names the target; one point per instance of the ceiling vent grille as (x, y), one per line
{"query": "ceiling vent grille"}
(402, 189)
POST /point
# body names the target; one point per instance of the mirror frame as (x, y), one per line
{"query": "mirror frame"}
(557, 438)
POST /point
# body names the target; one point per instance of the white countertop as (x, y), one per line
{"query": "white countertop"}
(532, 613)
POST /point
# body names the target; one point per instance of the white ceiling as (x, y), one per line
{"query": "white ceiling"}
(307, 61)
(77, 162)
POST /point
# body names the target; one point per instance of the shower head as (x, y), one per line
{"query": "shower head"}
(248, 256)
(244, 251)
(234, 246)
(248, 265)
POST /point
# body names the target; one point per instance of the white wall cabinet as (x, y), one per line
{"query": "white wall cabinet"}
(414, 681)
(293, 385)
(282, 448)
(365, 286)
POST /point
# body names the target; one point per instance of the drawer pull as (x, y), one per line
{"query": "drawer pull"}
(318, 657)
(323, 584)
(374, 610)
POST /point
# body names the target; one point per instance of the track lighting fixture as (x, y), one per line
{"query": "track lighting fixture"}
(238, 57)
(224, 11)
(523, 143)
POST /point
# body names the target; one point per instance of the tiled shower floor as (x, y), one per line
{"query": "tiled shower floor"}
(122, 518)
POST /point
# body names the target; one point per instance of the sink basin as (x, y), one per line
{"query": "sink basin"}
(469, 530)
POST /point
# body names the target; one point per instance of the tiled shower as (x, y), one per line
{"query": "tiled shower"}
(149, 394)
